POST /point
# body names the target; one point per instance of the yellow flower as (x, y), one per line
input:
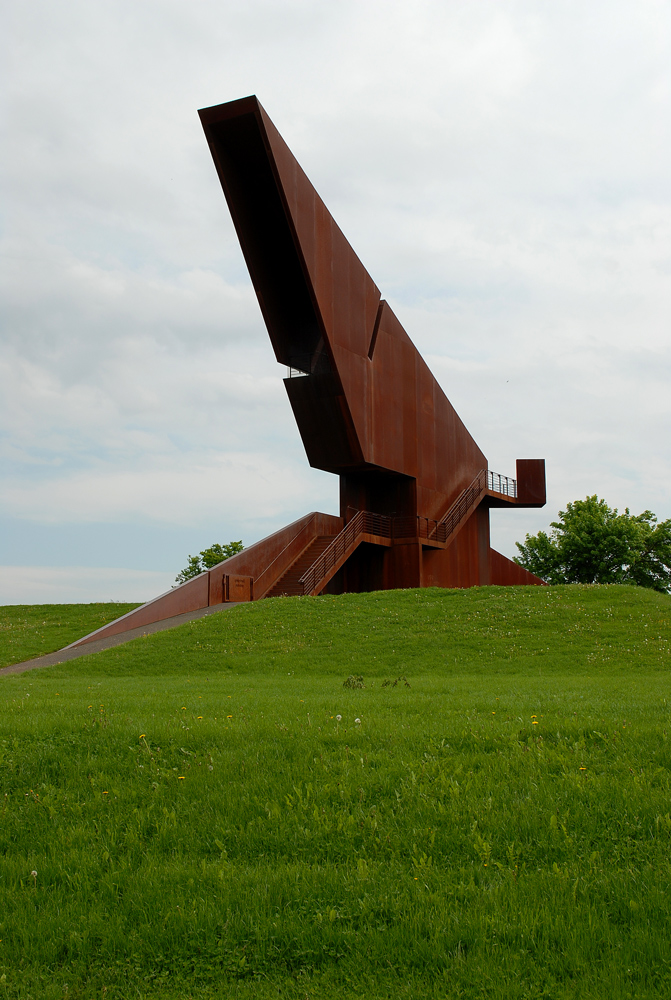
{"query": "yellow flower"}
(142, 735)
(180, 777)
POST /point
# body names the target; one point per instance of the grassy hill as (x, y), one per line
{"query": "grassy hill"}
(27, 631)
(211, 813)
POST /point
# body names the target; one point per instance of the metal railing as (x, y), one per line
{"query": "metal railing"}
(450, 521)
(440, 530)
(501, 484)
(485, 480)
(363, 523)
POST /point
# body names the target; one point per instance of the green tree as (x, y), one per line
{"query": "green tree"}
(207, 559)
(590, 543)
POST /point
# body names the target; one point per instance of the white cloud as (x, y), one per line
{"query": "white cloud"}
(191, 491)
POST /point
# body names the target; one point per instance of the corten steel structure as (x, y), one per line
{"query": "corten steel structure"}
(415, 490)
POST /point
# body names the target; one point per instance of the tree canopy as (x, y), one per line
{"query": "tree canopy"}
(591, 543)
(207, 559)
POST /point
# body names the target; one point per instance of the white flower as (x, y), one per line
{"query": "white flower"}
(338, 718)
(357, 722)
(34, 874)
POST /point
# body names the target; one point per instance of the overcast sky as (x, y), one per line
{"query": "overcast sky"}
(502, 169)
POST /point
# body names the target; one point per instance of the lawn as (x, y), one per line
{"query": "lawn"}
(211, 813)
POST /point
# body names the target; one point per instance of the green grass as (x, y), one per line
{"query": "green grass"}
(202, 825)
(27, 631)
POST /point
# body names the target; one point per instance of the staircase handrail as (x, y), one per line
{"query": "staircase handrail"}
(364, 522)
(486, 480)
(450, 521)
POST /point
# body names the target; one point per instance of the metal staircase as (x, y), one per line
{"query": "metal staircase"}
(380, 530)
(289, 584)
(364, 527)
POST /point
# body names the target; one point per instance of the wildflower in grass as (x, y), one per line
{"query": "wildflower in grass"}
(142, 735)
(229, 716)
(357, 722)
(180, 777)
(200, 717)
(338, 718)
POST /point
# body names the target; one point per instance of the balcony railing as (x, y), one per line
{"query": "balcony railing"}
(501, 484)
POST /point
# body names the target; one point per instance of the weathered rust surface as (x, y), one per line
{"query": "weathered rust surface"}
(368, 408)
(238, 588)
(531, 482)
(506, 573)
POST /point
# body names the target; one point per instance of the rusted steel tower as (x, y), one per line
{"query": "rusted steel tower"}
(415, 489)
